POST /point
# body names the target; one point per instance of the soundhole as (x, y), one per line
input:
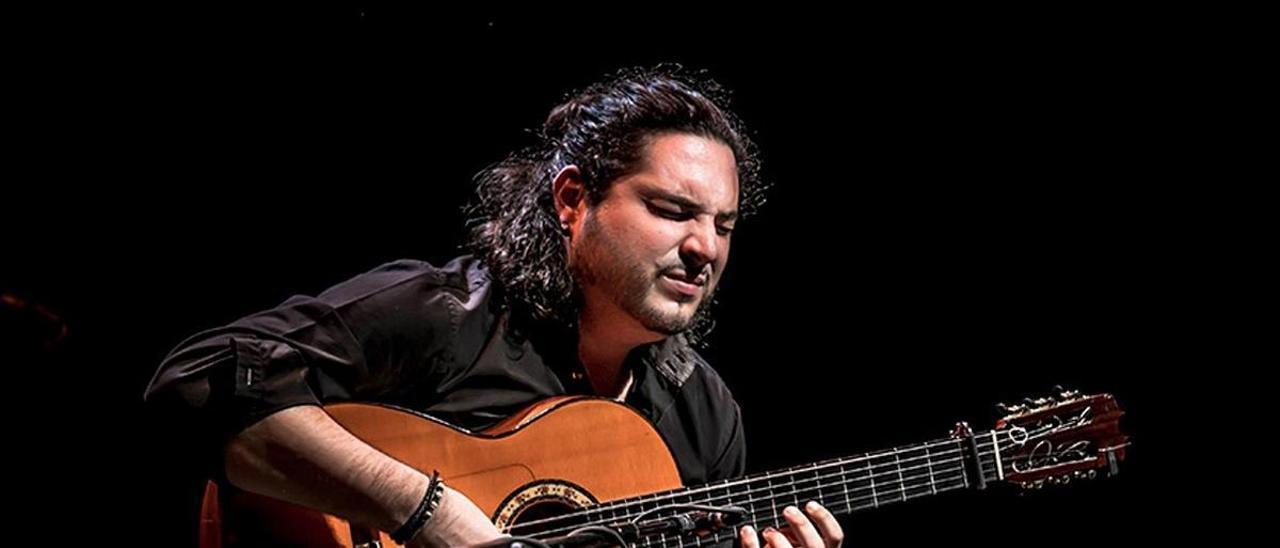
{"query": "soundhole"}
(543, 507)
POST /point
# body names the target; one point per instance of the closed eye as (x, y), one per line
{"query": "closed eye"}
(680, 214)
(668, 213)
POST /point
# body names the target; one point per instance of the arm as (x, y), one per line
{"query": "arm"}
(249, 394)
(302, 456)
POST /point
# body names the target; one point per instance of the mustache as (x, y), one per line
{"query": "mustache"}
(680, 272)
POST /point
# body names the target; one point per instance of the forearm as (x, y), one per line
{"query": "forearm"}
(301, 455)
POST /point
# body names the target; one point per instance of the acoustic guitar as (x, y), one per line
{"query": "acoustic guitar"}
(569, 463)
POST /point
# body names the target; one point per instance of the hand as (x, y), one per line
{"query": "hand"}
(456, 522)
(813, 528)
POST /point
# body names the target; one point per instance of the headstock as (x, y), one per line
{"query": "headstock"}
(1060, 438)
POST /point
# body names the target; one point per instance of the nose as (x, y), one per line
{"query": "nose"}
(701, 246)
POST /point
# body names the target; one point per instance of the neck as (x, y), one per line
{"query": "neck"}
(603, 350)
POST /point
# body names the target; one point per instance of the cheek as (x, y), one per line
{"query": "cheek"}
(656, 238)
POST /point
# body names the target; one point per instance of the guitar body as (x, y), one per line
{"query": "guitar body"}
(557, 455)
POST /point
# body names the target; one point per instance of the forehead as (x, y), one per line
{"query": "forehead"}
(696, 168)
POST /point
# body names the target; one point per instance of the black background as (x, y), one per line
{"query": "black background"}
(969, 207)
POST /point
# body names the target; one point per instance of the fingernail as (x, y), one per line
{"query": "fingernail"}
(792, 511)
(812, 506)
(748, 530)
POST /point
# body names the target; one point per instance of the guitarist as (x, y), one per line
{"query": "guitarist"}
(595, 257)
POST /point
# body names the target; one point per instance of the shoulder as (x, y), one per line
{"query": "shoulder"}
(461, 277)
(411, 298)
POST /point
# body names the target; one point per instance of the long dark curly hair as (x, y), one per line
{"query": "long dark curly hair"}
(603, 130)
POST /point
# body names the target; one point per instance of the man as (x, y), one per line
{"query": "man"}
(597, 254)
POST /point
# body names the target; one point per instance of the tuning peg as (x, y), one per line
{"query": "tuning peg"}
(1010, 409)
(1062, 394)
(1040, 402)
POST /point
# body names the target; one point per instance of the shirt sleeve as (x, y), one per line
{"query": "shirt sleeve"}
(373, 336)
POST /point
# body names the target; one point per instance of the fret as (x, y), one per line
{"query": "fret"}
(919, 475)
(728, 496)
(844, 486)
(817, 485)
(928, 459)
(902, 486)
(875, 500)
(795, 488)
(883, 486)
(647, 503)
(596, 515)
(773, 503)
(615, 514)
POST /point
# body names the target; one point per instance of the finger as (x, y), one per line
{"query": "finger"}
(802, 528)
(747, 537)
(826, 523)
(775, 539)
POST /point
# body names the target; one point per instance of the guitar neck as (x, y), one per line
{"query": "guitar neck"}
(864, 481)
(843, 485)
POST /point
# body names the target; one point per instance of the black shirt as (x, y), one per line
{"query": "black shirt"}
(436, 340)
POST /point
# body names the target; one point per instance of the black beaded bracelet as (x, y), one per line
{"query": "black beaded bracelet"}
(430, 502)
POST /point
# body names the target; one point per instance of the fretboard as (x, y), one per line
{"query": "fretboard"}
(843, 486)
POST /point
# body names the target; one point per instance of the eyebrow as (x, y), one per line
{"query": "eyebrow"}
(686, 203)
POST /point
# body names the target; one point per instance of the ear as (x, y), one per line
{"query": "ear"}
(570, 194)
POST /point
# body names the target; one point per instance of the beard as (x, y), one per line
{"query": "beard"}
(605, 261)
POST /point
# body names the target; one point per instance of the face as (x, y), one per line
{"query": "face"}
(652, 251)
